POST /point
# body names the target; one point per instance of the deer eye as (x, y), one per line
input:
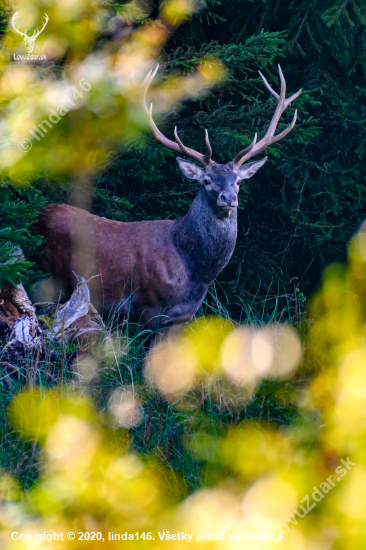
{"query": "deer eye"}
(238, 182)
(207, 180)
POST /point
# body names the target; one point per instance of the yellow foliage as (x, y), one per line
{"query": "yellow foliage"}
(66, 123)
(276, 482)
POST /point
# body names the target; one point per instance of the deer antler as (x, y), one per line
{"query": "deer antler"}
(255, 148)
(13, 21)
(37, 33)
(159, 136)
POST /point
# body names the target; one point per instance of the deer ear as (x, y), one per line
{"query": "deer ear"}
(248, 170)
(189, 169)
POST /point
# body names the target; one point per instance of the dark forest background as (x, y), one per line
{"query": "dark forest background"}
(299, 211)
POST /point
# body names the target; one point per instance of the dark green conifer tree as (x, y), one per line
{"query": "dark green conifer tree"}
(18, 211)
(299, 211)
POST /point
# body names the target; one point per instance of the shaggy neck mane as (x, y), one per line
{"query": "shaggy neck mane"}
(205, 238)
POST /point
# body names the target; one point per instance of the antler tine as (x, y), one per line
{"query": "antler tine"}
(159, 136)
(286, 131)
(208, 154)
(245, 151)
(275, 94)
(146, 77)
(269, 137)
(279, 109)
(292, 98)
(149, 78)
(269, 88)
(183, 147)
(202, 159)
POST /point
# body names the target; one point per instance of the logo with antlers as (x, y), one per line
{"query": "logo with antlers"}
(29, 40)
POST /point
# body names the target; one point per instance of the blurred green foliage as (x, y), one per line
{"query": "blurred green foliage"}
(252, 475)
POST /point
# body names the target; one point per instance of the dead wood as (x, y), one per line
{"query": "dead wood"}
(77, 320)
(18, 314)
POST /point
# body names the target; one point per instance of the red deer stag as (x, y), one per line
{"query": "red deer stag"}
(158, 272)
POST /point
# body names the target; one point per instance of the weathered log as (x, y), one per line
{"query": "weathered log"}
(18, 314)
(78, 319)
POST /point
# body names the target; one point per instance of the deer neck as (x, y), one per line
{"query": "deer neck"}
(205, 238)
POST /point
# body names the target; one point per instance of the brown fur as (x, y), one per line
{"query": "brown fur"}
(157, 272)
(129, 256)
(146, 268)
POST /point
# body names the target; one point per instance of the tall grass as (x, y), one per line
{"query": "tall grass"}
(167, 427)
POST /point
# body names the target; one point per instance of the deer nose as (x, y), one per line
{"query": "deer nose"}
(226, 198)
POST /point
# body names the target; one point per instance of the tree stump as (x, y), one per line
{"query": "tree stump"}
(18, 317)
(77, 320)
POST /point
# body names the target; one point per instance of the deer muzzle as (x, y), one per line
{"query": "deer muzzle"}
(227, 200)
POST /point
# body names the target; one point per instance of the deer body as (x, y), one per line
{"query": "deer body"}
(158, 272)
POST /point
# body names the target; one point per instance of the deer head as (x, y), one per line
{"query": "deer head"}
(222, 181)
(29, 40)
